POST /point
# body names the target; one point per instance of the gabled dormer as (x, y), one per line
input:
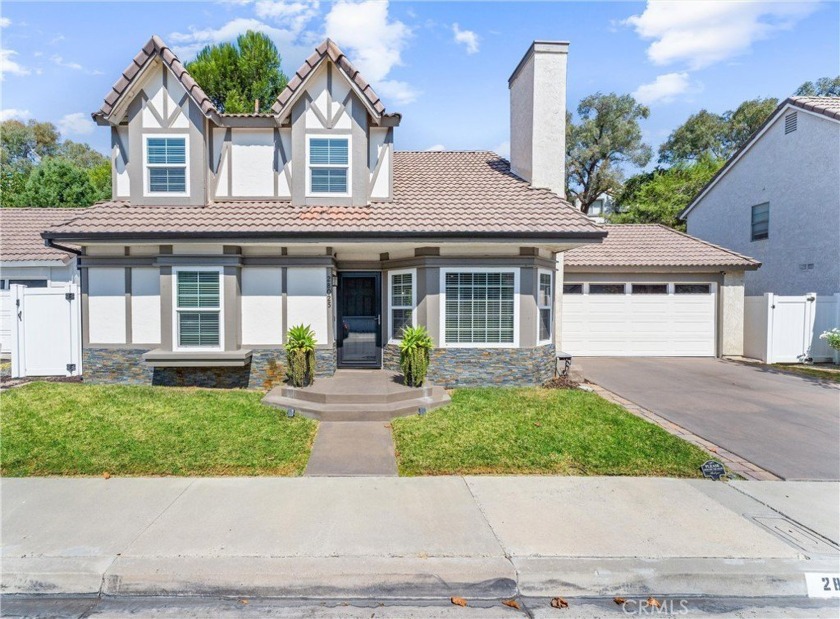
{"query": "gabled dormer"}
(327, 140)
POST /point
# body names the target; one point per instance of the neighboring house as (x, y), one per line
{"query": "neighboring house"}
(27, 261)
(227, 229)
(601, 208)
(778, 199)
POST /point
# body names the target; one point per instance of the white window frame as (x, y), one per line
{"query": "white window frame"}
(391, 307)
(549, 307)
(147, 165)
(516, 303)
(348, 166)
(176, 324)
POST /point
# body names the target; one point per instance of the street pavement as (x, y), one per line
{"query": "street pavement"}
(391, 539)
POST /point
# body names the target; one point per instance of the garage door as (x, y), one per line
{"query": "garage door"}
(639, 319)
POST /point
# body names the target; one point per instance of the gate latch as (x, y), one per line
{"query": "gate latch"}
(71, 367)
(69, 295)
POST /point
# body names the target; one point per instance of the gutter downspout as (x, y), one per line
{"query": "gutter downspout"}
(53, 245)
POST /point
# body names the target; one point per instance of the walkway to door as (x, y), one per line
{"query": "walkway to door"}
(353, 449)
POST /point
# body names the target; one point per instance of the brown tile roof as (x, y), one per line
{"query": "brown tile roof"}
(153, 48)
(653, 245)
(827, 106)
(435, 193)
(20, 233)
(327, 49)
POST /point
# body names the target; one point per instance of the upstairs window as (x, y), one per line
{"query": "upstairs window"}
(329, 160)
(166, 165)
(760, 222)
(198, 308)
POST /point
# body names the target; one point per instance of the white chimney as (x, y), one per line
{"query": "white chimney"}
(538, 116)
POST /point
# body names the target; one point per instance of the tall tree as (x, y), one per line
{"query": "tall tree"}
(25, 143)
(235, 76)
(823, 87)
(58, 183)
(606, 139)
(706, 134)
(661, 195)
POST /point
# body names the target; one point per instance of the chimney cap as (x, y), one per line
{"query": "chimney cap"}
(542, 47)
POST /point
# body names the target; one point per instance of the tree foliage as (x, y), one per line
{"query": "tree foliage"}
(661, 195)
(606, 139)
(235, 75)
(38, 169)
(706, 134)
(823, 87)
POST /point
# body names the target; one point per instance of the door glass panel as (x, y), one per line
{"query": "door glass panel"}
(359, 329)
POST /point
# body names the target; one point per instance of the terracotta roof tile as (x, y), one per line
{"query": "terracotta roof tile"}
(827, 106)
(327, 49)
(155, 47)
(653, 245)
(434, 192)
(20, 233)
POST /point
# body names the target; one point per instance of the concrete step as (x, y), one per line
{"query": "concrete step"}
(356, 410)
(359, 394)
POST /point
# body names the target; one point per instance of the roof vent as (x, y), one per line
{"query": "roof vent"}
(790, 123)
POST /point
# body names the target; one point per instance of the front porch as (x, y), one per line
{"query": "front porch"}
(358, 395)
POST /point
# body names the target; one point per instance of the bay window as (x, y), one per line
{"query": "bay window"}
(544, 304)
(198, 308)
(480, 307)
(401, 301)
(166, 165)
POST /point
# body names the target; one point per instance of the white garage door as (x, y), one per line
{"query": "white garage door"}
(626, 319)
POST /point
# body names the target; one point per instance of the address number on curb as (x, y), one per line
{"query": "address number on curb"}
(823, 585)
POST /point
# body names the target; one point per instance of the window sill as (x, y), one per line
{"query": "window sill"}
(197, 358)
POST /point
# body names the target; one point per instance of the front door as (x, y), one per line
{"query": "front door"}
(359, 319)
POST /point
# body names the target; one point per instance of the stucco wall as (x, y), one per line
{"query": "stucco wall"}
(798, 174)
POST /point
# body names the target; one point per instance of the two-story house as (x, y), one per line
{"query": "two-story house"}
(227, 229)
(778, 199)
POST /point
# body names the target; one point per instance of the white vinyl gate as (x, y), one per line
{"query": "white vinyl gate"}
(45, 325)
(786, 329)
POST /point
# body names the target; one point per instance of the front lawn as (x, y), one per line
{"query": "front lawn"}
(538, 431)
(77, 429)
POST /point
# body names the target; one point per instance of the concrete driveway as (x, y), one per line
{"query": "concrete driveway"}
(787, 424)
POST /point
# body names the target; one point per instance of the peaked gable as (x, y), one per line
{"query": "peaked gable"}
(154, 48)
(328, 50)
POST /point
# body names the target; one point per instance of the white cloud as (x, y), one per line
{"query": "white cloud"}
(5, 22)
(58, 60)
(503, 149)
(187, 44)
(435, 147)
(9, 65)
(664, 89)
(700, 34)
(77, 123)
(397, 92)
(371, 39)
(466, 37)
(14, 114)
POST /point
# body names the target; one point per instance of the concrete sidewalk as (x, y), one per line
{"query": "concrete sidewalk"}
(419, 538)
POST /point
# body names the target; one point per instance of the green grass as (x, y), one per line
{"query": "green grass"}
(538, 431)
(811, 371)
(77, 429)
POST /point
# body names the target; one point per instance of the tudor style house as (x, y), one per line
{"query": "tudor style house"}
(227, 229)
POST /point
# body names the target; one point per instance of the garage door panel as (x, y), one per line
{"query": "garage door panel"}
(639, 324)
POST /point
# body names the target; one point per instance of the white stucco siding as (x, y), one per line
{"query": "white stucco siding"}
(798, 175)
(283, 188)
(123, 184)
(153, 87)
(252, 158)
(306, 300)
(316, 88)
(379, 149)
(145, 305)
(262, 306)
(106, 305)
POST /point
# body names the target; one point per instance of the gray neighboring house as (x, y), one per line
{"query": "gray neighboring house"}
(777, 199)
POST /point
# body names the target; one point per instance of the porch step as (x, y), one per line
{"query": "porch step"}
(357, 410)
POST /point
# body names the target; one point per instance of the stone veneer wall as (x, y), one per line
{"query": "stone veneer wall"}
(126, 366)
(481, 367)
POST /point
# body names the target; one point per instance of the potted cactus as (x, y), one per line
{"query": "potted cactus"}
(415, 349)
(300, 354)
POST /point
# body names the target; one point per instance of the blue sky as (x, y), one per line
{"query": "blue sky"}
(444, 65)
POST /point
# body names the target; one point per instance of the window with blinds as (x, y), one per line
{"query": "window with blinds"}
(544, 301)
(166, 164)
(479, 307)
(402, 302)
(198, 306)
(329, 160)
(760, 222)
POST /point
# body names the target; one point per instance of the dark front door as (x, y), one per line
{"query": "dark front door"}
(359, 320)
